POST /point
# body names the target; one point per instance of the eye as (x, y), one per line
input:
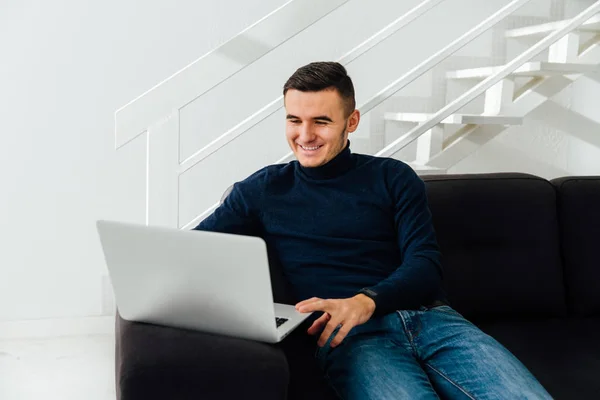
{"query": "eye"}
(294, 121)
(321, 123)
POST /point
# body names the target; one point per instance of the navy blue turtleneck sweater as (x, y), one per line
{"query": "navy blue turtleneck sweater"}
(357, 222)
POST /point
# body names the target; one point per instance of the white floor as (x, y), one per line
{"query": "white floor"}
(66, 368)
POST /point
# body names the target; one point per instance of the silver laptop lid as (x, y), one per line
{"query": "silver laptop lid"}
(212, 282)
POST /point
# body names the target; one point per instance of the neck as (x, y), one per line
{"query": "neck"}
(337, 166)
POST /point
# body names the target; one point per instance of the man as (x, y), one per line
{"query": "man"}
(356, 242)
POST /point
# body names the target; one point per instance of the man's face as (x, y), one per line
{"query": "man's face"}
(316, 125)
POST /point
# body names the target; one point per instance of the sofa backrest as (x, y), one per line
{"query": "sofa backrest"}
(499, 239)
(579, 216)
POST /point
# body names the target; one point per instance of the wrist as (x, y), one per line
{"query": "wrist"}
(367, 301)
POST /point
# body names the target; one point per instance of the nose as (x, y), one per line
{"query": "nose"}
(307, 134)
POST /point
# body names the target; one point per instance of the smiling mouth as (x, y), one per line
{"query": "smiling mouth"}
(310, 148)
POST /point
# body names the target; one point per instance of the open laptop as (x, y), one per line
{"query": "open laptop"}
(206, 281)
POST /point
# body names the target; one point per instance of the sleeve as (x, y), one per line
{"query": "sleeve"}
(418, 278)
(237, 214)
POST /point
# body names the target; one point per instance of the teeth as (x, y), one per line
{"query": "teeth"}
(310, 148)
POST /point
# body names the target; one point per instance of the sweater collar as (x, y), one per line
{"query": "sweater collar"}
(336, 167)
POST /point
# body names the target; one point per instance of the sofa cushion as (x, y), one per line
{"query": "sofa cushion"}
(306, 378)
(563, 354)
(499, 239)
(159, 362)
(579, 216)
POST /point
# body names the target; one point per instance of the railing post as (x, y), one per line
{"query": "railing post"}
(499, 96)
(565, 49)
(429, 144)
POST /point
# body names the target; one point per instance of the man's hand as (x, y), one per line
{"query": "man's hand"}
(345, 312)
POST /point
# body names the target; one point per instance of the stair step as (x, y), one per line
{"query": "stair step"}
(531, 69)
(459, 119)
(591, 25)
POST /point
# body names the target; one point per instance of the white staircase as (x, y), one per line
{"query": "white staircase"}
(506, 104)
(183, 186)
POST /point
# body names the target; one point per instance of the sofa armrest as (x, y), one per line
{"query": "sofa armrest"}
(158, 362)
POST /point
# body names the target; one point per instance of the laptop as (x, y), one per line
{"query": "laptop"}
(211, 282)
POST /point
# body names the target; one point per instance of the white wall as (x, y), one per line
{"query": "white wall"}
(65, 67)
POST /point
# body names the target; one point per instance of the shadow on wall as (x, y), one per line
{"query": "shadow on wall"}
(553, 115)
(497, 156)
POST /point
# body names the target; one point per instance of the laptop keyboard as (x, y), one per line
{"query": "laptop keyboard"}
(280, 321)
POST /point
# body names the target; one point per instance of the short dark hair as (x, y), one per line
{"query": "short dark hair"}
(324, 75)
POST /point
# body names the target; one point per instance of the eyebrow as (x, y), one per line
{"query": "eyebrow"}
(319, 118)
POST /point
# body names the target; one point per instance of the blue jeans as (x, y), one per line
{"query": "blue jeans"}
(426, 354)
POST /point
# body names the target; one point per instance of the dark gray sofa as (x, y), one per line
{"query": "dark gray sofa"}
(522, 261)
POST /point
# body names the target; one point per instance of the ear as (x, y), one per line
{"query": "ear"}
(353, 121)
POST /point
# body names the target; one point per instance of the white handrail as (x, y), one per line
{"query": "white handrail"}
(478, 89)
(434, 60)
(291, 18)
(277, 104)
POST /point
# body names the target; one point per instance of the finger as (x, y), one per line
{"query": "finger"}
(331, 326)
(307, 301)
(342, 333)
(319, 324)
(317, 305)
